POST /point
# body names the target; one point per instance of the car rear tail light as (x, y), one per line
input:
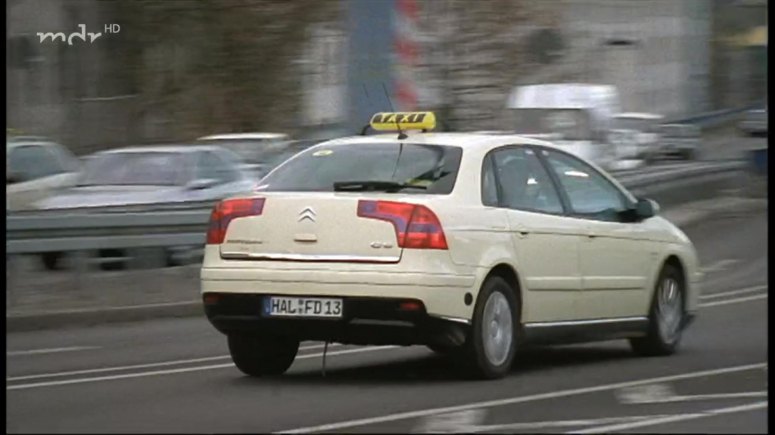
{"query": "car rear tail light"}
(410, 306)
(417, 227)
(211, 299)
(228, 210)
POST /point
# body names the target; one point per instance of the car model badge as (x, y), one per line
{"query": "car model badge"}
(307, 213)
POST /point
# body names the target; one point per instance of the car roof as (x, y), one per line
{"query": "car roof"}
(183, 148)
(639, 115)
(25, 142)
(461, 139)
(243, 136)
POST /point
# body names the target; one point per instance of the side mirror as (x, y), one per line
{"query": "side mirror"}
(646, 208)
(203, 183)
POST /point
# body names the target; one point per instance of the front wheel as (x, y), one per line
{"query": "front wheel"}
(492, 343)
(666, 317)
(257, 355)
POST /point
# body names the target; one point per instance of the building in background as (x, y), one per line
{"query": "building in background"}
(310, 64)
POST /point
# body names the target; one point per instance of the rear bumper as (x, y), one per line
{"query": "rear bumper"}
(443, 295)
(366, 321)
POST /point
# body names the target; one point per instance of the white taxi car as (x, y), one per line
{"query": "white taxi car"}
(471, 244)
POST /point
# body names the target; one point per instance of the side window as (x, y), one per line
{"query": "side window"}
(489, 189)
(211, 166)
(31, 162)
(524, 184)
(588, 191)
(230, 163)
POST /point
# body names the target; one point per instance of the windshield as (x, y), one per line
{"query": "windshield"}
(570, 124)
(643, 125)
(135, 169)
(253, 150)
(679, 131)
(433, 167)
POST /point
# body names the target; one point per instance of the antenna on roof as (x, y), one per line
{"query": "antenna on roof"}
(401, 134)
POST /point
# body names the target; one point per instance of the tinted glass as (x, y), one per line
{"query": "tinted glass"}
(135, 168)
(489, 188)
(589, 192)
(212, 166)
(31, 162)
(252, 150)
(524, 183)
(570, 124)
(318, 168)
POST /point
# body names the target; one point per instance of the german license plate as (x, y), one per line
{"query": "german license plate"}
(276, 306)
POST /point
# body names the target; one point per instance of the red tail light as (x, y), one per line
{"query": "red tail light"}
(228, 210)
(417, 227)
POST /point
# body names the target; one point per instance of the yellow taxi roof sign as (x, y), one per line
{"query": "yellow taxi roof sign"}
(394, 121)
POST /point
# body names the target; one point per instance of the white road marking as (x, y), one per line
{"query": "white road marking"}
(173, 371)
(673, 418)
(699, 397)
(51, 350)
(532, 425)
(718, 266)
(456, 422)
(734, 292)
(142, 366)
(663, 393)
(519, 399)
(733, 301)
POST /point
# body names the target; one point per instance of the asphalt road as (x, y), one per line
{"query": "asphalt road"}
(175, 375)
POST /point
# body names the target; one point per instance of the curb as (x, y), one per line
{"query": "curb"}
(99, 316)
(681, 216)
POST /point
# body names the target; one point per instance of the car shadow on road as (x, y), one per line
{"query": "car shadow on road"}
(436, 368)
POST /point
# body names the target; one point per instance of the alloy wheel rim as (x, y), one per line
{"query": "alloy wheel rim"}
(669, 310)
(497, 328)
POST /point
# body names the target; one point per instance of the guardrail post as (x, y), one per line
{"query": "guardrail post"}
(10, 281)
(757, 172)
(81, 263)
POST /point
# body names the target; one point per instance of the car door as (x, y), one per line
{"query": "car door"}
(545, 240)
(615, 255)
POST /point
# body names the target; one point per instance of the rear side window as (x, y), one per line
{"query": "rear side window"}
(31, 162)
(524, 183)
(317, 169)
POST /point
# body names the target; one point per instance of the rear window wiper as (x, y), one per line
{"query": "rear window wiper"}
(365, 186)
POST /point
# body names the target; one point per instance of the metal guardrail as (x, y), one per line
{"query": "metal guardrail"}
(710, 119)
(79, 230)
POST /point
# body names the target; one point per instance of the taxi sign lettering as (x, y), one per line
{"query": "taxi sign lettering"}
(393, 121)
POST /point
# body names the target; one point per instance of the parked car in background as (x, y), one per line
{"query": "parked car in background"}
(754, 122)
(679, 140)
(260, 151)
(36, 168)
(150, 176)
(154, 175)
(636, 135)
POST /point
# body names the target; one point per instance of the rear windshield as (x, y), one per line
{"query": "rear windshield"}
(318, 168)
(135, 169)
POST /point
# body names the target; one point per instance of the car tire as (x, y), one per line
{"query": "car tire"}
(259, 355)
(51, 260)
(667, 316)
(492, 342)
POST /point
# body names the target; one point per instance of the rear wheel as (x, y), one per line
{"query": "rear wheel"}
(260, 355)
(666, 318)
(491, 345)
